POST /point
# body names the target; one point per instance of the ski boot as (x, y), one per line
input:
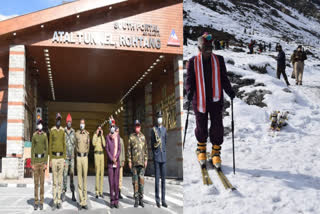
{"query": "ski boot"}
(215, 155)
(136, 202)
(201, 153)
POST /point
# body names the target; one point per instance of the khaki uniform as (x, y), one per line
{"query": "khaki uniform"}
(57, 151)
(39, 157)
(137, 155)
(122, 161)
(82, 149)
(99, 142)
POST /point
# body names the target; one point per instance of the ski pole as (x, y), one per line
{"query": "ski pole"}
(186, 126)
(232, 127)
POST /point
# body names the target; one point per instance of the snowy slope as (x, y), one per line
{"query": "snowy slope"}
(273, 174)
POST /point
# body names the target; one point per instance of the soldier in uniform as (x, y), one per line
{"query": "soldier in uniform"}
(158, 146)
(69, 167)
(82, 149)
(137, 160)
(39, 157)
(57, 152)
(122, 161)
(99, 143)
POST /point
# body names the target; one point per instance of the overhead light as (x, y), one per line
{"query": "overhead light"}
(158, 60)
(110, 7)
(151, 66)
(149, 70)
(154, 63)
(161, 56)
(164, 70)
(34, 62)
(78, 16)
(48, 62)
(49, 65)
(14, 34)
(47, 58)
(46, 50)
(46, 55)
(42, 26)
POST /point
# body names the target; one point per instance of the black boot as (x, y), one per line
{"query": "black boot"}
(158, 204)
(136, 202)
(73, 197)
(120, 196)
(164, 204)
(63, 196)
(141, 203)
(35, 206)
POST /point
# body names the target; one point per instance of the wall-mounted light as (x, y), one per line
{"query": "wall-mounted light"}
(110, 7)
(14, 34)
(161, 56)
(42, 26)
(78, 16)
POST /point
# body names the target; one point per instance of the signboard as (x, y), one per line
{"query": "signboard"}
(173, 39)
(147, 36)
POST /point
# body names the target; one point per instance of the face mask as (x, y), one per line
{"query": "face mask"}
(160, 120)
(69, 124)
(82, 126)
(39, 127)
(112, 130)
(138, 128)
(58, 123)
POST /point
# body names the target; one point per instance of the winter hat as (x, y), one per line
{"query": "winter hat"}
(58, 116)
(39, 121)
(136, 123)
(69, 118)
(112, 122)
(206, 38)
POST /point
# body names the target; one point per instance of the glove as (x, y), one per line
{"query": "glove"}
(232, 95)
(190, 96)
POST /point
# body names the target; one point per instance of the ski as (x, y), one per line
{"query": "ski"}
(205, 175)
(225, 181)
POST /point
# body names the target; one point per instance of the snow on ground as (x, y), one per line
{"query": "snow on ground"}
(277, 174)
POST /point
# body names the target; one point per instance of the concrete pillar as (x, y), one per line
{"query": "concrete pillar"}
(13, 166)
(148, 124)
(178, 82)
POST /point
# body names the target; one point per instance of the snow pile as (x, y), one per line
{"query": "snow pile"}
(277, 174)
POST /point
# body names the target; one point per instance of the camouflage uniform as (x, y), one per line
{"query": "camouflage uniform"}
(70, 146)
(137, 155)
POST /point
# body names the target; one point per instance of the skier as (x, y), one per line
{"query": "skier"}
(281, 64)
(270, 46)
(206, 80)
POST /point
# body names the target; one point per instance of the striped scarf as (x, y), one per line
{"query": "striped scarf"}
(216, 81)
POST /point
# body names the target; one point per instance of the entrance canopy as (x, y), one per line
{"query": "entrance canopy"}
(93, 75)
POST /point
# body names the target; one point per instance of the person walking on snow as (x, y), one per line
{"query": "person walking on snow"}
(281, 64)
(206, 80)
(299, 59)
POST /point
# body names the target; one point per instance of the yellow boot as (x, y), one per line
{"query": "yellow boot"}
(215, 155)
(201, 153)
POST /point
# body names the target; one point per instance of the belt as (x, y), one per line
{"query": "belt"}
(39, 155)
(82, 154)
(98, 152)
(58, 154)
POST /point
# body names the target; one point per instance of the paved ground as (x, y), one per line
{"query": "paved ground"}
(20, 200)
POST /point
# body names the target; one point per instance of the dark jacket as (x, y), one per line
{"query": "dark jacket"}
(300, 56)
(281, 60)
(159, 154)
(110, 151)
(191, 80)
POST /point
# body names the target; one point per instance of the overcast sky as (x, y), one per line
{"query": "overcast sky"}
(11, 8)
